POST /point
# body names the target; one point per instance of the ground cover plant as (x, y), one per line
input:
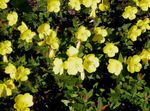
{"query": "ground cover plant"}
(74, 55)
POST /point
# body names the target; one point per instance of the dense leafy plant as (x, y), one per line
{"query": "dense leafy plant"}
(75, 55)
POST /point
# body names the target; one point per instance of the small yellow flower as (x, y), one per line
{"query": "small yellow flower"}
(144, 24)
(104, 6)
(145, 56)
(11, 69)
(143, 4)
(43, 29)
(21, 73)
(72, 51)
(3, 4)
(90, 63)
(58, 66)
(75, 4)
(130, 12)
(53, 5)
(114, 66)
(110, 49)
(12, 18)
(134, 32)
(134, 64)
(82, 33)
(5, 47)
(27, 35)
(100, 35)
(53, 40)
(22, 102)
(23, 27)
(73, 65)
(6, 88)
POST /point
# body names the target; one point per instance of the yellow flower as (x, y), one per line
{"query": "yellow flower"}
(143, 4)
(72, 51)
(145, 56)
(114, 66)
(22, 102)
(53, 5)
(43, 29)
(86, 3)
(93, 8)
(12, 18)
(6, 88)
(75, 4)
(110, 49)
(53, 40)
(23, 27)
(11, 69)
(134, 32)
(104, 6)
(3, 4)
(5, 47)
(82, 33)
(90, 63)
(130, 12)
(100, 35)
(58, 66)
(73, 65)
(27, 35)
(144, 24)
(20, 73)
(134, 64)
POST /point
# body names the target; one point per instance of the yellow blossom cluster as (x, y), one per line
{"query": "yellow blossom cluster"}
(3, 4)
(140, 27)
(21, 73)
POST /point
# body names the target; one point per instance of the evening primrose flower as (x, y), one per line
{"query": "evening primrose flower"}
(58, 66)
(93, 8)
(82, 33)
(143, 4)
(75, 4)
(130, 12)
(114, 67)
(110, 49)
(3, 4)
(26, 34)
(5, 47)
(11, 70)
(12, 18)
(145, 56)
(134, 32)
(104, 6)
(100, 35)
(72, 51)
(6, 88)
(53, 40)
(23, 102)
(73, 65)
(53, 5)
(134, 64)
(144, 24)
(21, 73)
(90, 63)
(43, 29)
